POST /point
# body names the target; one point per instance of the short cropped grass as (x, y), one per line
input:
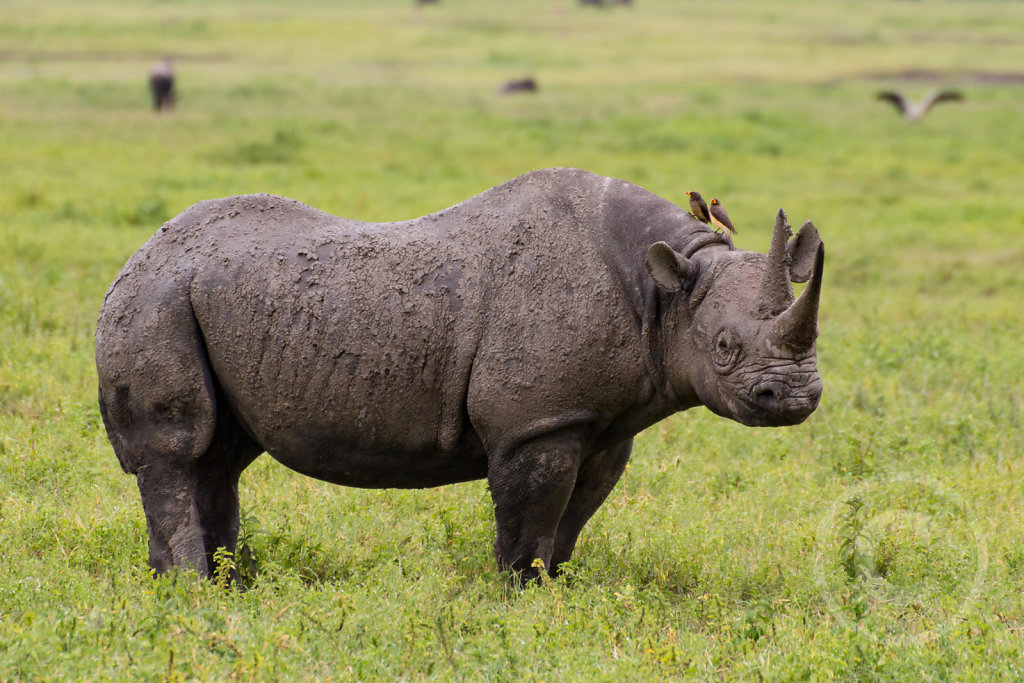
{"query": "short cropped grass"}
(881, 540)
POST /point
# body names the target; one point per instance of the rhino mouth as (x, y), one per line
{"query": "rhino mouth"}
(779, 403)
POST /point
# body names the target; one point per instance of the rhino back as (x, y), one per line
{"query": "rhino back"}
(390, 337)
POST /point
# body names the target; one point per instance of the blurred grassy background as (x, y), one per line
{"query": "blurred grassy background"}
(882, 539)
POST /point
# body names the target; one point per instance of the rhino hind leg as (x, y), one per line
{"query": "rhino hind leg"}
(159, 404)
(218, 471)
(597, 477)
(172, 518)
(530, 487)
(192, 508)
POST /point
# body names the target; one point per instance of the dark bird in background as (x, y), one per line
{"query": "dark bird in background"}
(528, 84)
(915, 111)
(161, 85)
(698, 207)
(720, 219)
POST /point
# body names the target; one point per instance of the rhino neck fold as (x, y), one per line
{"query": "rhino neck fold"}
(653, 350)
(657, 305)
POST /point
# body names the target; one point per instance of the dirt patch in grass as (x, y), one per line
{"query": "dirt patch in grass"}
(103, 56)
(936, 76)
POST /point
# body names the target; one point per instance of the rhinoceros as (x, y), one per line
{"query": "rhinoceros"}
(524, 336)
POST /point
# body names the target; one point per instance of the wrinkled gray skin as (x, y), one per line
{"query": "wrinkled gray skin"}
(524, 335)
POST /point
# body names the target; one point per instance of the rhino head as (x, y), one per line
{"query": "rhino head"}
(733, 335)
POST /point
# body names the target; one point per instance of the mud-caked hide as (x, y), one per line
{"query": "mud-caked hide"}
(524, 335)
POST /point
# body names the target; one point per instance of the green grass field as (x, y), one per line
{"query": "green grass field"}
(880, 540)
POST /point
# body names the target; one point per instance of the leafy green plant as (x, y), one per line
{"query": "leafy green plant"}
(224, 568)
(852, 556)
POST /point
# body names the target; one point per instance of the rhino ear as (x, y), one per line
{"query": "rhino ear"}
(802, 250)
(668, 268)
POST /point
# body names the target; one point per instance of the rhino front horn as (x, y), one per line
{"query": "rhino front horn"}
(775, 292)
(797, 327)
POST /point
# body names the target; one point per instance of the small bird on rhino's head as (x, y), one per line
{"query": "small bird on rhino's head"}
(720, 219)
(698, 207)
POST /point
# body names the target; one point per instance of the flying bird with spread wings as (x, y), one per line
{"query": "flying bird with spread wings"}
(915, 111)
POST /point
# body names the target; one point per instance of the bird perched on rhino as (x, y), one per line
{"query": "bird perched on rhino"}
(698, 207)
(915, 111)
(720, 219)
(161, 84)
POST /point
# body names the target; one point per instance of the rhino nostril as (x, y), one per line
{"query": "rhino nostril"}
(783, 404)
(770, 395)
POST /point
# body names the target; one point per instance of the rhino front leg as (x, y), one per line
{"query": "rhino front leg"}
(530, 486)
(597, 477)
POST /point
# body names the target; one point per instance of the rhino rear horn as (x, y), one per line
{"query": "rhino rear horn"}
(797, 327)
(668, 268)
(775, 292)
(802, 251)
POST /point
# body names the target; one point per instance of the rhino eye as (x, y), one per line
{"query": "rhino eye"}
(726, 351)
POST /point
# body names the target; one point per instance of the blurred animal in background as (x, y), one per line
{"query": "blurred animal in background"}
(161, 85)
(698, 207)
(605, 3)
(528, 84)
(915, 111)
(720, 219)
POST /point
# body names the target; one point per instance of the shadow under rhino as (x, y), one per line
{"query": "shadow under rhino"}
(524, 336)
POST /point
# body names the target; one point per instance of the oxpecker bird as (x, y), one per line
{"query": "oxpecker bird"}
(720, 219)
(161, 84)
(915, 111)
(698, 207)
